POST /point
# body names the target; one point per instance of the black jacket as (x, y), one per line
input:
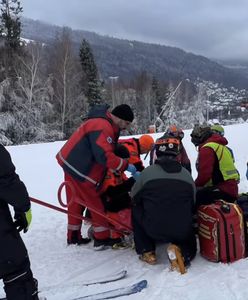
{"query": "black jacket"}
(12, 191)
(117, 197)
(164, 195)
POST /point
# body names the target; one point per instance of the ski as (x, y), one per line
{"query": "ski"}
(40, 298)
(123, 291)
(107, 278)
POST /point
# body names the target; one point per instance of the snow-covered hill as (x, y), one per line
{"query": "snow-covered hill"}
(55, 263)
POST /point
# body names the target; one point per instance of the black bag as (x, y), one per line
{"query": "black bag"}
(243, 203)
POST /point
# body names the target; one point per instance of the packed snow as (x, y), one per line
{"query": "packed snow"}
(60, 268)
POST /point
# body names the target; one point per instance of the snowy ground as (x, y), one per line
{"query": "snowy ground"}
(55, 263)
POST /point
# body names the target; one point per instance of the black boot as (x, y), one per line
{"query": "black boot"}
(75, 238)
(106, 243)
(21, 285)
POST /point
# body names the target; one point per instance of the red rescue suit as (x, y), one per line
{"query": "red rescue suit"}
(85, 157)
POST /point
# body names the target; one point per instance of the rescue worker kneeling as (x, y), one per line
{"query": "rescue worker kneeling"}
(217, 177)
(163, 198)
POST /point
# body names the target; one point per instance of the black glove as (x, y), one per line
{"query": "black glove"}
(23, 220)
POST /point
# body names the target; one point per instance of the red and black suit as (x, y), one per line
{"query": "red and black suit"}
(85, 158)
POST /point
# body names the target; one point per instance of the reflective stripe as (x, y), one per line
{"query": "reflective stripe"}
(120, 164)
(100, 229)
(231, 172)
(13, 279)
(76, 171)
(73, 227)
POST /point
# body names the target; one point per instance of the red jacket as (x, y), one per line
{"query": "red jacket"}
(89, 152)
(208, 168)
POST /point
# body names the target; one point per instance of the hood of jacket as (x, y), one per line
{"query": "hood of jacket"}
(169, 164)
(215, 138)
(98, 111)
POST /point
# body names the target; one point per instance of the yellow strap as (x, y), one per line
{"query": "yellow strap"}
(240, 215)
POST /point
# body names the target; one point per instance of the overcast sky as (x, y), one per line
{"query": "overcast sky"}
(214, 28)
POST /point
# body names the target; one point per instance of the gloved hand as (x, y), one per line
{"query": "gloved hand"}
(131, 168)
(23, 220)
(136, 175)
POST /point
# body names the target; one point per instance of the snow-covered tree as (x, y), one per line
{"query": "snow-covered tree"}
(33, 109)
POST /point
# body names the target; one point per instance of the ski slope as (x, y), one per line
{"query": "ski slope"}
(60, 268)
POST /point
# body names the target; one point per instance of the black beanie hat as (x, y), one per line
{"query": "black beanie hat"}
(123, 112)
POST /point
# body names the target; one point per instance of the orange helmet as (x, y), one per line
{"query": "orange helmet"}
(146, 142)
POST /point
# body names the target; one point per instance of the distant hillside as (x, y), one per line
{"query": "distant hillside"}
(238, 65)
(123, 58)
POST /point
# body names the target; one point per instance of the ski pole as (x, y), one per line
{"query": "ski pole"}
(76, 199)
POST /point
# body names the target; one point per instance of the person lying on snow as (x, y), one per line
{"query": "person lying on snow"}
(136, 147)
(163, 199)
(116, 199)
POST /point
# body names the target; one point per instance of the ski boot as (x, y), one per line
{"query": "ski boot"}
(176, 259)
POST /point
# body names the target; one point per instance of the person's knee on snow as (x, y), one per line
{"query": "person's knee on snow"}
(156, 212)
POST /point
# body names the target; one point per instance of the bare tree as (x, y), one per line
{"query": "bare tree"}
(69, 98)
(142, 85)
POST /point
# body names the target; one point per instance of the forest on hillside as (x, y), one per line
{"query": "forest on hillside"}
(47, 89)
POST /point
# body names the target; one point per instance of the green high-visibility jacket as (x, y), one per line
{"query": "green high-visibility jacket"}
(226, 162)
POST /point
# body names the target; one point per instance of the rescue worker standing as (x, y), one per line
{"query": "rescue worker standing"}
(85, 158)
(217, 177)
(15, 271)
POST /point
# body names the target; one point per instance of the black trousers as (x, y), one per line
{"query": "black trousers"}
(208, 195)
(145, 243)
(21, 285)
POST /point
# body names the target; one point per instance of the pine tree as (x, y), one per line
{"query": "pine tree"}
(10, 30)
(10, 25)
(92, 86)
(157, 98)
